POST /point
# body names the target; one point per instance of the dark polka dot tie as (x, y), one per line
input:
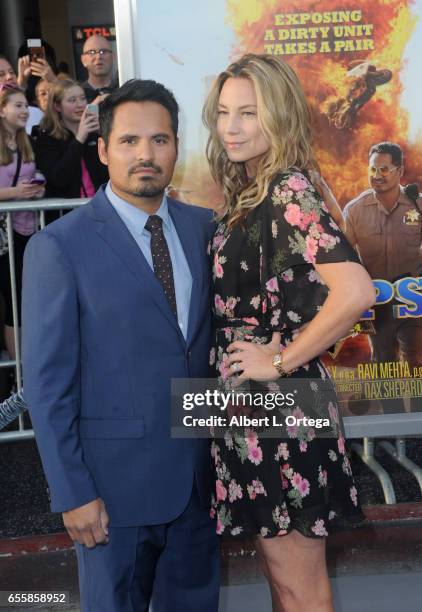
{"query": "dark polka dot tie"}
(161, 258)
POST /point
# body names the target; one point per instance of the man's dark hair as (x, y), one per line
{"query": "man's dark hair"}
(137, 90)
(389, 148)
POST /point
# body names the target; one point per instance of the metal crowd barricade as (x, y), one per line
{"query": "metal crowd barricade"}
(368, 428)
(38, 206)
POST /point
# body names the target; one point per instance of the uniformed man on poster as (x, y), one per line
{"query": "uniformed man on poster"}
(385, 225)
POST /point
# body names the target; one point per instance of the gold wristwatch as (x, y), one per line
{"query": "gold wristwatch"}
(278, 364)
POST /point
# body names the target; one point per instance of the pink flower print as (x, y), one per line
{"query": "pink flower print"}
(212, 356)
(255, 454)
(287, 275)
(212, 513)
(217, 241)
(220, 490)
(304, 487)
(307, 220)
(340, 445)
(219, 304)
(354, 496)
(274, 299)
(264, 306)
(292, 430)
(251, 492)
(255, 301)
(311, 249)
(297, 183)
(224, 370)
(319, 528)
(218, 268)
(275, 317)
(293, 214)
(332, 409)
(231, 303)
(272, 285)
(311, 435)
(235, 491)
(251, 320)
(281, 532)
(303, 446)
(296, 480)
(251, 438)
(283, 451)
(220, 527)
(322, 477)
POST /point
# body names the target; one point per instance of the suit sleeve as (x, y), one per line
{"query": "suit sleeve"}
(51, 364)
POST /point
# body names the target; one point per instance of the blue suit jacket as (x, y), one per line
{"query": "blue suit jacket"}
(100, 347)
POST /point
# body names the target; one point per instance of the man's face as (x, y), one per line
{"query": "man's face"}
(142, 150)
(97, 56)
(7, 74)
(383, 174)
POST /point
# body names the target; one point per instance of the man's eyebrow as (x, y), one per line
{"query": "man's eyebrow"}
(124, 136)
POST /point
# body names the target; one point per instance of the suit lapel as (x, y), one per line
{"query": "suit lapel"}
(188, 237)
(114, 232)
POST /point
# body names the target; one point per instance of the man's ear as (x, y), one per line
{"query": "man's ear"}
(401, 171)
(83, 61)
(102, 151)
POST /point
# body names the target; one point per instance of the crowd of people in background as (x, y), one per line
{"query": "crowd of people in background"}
(48, 145)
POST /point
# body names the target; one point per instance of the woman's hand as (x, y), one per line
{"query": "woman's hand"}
(41, 68)
(24, 70)
(254, 361)
(89, 123)
(27, 191)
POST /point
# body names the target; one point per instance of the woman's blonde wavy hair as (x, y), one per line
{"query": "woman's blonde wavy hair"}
(52, 122)
(22, 141)
(285, 120)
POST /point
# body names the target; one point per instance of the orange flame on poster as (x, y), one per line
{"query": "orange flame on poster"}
(342, 153)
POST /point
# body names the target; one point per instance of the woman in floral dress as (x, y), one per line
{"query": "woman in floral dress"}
(280, 265)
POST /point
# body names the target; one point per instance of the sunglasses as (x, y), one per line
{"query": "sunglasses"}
(100, 52)
(383, 171)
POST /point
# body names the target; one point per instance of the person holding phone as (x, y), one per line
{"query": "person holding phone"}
(18, 181)
(66, 148)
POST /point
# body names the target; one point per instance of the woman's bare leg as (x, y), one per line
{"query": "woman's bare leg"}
(297, 571)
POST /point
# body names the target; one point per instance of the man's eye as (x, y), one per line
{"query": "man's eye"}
(160, 140)
(129, 140)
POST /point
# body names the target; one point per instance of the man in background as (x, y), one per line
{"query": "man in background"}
(385, 226)
(98, 59)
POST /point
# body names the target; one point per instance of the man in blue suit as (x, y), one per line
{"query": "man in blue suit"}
(115, 305)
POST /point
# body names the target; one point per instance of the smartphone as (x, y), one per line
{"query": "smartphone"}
(35, 48)
(92, 109)
(37, 181)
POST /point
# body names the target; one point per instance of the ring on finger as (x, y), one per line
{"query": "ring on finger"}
(235, 366)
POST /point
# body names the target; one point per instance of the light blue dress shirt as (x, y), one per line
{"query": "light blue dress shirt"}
(135, 220)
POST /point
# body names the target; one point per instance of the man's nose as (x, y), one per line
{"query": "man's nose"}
(144, 150)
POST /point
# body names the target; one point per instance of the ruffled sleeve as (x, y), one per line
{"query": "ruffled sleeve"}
(297, 233)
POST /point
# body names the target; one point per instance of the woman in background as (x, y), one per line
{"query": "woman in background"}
(66, 147)
(277, 253)
(18, 181)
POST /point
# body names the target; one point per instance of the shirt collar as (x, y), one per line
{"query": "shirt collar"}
(372, 200)
(136, 215)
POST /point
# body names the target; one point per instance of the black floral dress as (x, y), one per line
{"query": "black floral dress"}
(265, 281)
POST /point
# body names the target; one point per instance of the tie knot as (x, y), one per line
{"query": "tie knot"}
(154, 222)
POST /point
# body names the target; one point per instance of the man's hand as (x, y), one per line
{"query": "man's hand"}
(88, 524)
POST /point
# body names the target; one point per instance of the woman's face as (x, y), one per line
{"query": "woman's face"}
(237, 125)
(15, 112)
(73, 104)
(42, 93)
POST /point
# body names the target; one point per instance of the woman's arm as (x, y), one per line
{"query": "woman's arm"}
(351, 292)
